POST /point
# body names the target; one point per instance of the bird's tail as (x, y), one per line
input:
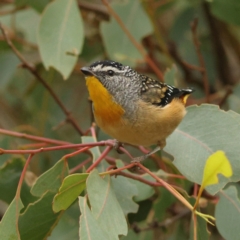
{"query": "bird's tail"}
(185, 93)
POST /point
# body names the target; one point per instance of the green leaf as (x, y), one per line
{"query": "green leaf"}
(22, 24)
(170, 75)
(60, 36)
(68, 225)
(143, 235)
(125, 196)
(227, 214)
(8, 223)
(36, 4)
(228, 11)
(95, 150)
(105, 206)
(234, 99)
(38, 220)
(71, 188)
(164, 202)
(144, 191)
(180, 233)
(89, 226)
(180, 33)
(51, 180)
(10, 174)
(116, 42)
(8, 64)
(204, 130)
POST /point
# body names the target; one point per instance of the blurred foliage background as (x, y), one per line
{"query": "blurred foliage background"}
(197, 40)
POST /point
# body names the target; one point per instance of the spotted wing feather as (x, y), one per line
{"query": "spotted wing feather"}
(158, 93)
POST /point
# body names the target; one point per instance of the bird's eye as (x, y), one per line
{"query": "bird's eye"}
(110, 72)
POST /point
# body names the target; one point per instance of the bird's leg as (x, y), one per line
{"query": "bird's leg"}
(141, 158)
(161, 145)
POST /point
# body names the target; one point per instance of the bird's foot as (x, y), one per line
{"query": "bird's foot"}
(117, 146)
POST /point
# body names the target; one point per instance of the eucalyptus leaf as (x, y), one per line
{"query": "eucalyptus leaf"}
(204, 130)
(38, 220)
(51, 180)
(8, 223)
(60, 36)
(118, 45)
(227, 214)
(105, 206)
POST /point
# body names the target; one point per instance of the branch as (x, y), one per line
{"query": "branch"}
(196, 42)
(33, 70)
(222, 62)
(18, 193)
(48, 149)
(186, 67)
(76, 168)
(32, 137)
(139, 47)
(138, 178)
(225, 97)
(102, 156)
(170, 188)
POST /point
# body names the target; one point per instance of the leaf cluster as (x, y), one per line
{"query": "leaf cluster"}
(60, 177)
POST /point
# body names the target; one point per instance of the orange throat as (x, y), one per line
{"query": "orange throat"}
(106, 109)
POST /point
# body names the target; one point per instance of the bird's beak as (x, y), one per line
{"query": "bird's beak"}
(87, 71)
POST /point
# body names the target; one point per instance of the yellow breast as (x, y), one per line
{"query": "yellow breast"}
(106, 110)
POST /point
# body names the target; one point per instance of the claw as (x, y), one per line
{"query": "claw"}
(117, 146)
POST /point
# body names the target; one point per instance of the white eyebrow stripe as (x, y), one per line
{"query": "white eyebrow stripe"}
(107, 68)
(97, 67)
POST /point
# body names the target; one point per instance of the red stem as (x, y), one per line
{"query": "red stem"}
(19, 190)
(32, 137)
(47, 149)
(104, 153)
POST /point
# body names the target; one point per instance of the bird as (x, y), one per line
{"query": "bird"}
(134, 108)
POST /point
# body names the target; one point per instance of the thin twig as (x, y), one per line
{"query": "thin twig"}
(32, 137)
(159, 182)
(18, 193)
(75, 153)
(73, 170)
(158, 160)
(225, 97)
(139, 47)
(173, 50)
(220, 53)
(55, 148)
(138, 178)
(167, 186)
(164, 224)
(186, 67)
(104, 153)
(196, 42)
(32, 145)
(33, 70)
